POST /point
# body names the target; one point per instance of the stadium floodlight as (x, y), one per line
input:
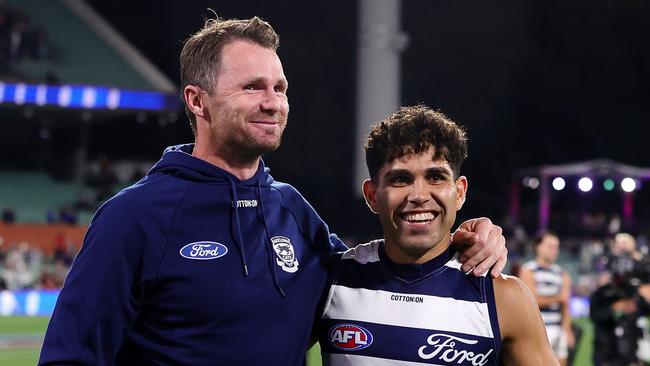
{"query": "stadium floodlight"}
(558, 183)
(531, 182)
(608, 184)
(628, 184)
(86, 97)
(585, 184)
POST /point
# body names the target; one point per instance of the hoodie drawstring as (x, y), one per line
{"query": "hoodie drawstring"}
(240, 240)
(270, 241)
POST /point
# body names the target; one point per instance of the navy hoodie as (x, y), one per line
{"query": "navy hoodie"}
(192, 266)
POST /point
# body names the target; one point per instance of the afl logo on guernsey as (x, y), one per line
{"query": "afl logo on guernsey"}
(349, 337)
(204, 250)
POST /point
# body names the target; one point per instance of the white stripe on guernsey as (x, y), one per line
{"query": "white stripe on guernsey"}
(555, 278)
(369, 253)
(357, 360)
(551, 317)
(548, 290)
(435, 313)
(533, 266)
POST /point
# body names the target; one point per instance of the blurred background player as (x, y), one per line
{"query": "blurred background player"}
(551, 286)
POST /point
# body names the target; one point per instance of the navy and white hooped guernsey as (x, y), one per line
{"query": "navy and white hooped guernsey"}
(548, 282)
(381, 313)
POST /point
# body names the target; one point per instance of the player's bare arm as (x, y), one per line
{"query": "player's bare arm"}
(522, 330)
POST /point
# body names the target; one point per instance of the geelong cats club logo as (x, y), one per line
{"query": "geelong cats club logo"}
(286, 255)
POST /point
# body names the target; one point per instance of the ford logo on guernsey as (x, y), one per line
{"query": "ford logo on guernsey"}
(204, 250)
(349, 337)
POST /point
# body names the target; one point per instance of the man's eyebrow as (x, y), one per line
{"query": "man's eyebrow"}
(439, 170)
(261, 79)
(395, 172)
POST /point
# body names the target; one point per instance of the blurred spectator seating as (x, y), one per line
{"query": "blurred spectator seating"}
(37, 255)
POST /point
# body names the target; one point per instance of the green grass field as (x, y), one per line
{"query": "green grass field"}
(313, 356)
(20, 339)
(32, 328)
(585, 344)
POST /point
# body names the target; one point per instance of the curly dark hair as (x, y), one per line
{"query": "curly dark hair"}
(201, 54)
(413, 130)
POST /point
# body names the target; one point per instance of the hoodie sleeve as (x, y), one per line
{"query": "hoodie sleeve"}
(337, 244)
(311, 225)
(103, 291)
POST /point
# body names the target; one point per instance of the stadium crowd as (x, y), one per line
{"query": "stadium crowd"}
(25, 266)
(21, 40)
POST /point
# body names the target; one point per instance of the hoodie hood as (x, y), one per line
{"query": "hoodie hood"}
(178, 161)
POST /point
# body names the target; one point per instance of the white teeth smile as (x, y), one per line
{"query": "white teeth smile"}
(419, 217)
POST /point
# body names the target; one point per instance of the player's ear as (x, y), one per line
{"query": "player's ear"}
(193, 96)
(461, 191)
(369, 193)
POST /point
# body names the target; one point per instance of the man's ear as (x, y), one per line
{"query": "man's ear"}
(193, 96)
(461, 191)
(370, 194)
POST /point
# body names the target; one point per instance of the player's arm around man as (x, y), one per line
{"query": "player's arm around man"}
(522, 330)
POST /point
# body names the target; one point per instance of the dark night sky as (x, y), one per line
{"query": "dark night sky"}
(534, 83)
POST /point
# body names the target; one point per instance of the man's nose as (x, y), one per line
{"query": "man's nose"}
(419, 193)
(272, 103)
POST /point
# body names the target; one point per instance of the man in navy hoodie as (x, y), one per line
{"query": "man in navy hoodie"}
(208, 260)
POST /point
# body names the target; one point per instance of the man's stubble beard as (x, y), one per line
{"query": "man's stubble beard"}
(244, 144)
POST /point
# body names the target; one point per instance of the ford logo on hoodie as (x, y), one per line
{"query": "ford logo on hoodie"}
(204, 250)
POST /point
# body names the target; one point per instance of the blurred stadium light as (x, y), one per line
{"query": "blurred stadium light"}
(608, 184)
(585, 184)
(558, 183)
(86, 97)
(531, 182)
(597, 169)
(628, 184)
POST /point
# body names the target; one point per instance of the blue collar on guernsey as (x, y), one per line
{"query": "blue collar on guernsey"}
(177, 158)
(414, 271)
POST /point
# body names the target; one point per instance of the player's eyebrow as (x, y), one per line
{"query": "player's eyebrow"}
(397, 172)
(442, 170)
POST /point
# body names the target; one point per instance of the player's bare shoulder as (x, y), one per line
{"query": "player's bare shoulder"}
(516, 300)
(522, 330)
(511, 289)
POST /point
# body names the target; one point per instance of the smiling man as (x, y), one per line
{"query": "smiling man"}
(404, 300)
